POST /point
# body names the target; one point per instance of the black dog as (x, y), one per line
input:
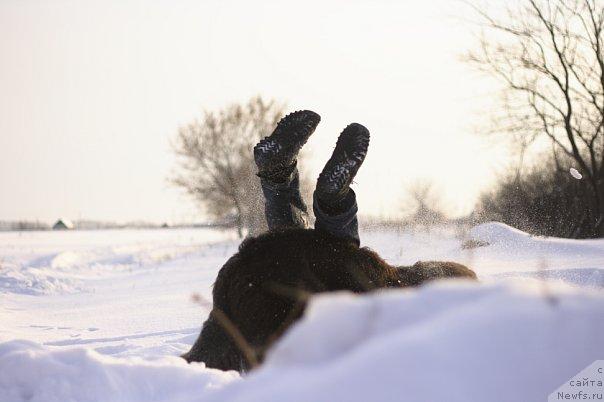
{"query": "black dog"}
(261, 290)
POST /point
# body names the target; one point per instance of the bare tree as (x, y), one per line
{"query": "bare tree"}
(216, 165)
(550, 56)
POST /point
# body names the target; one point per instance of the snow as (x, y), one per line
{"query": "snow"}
(447, 342)
(498, 233)
(102, 315)
(37, 374)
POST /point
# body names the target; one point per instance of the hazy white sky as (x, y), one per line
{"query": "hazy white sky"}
(91, 94)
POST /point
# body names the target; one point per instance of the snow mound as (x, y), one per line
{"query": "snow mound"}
(450, 341)
(497, 232)
(513, 253)
(446, 342)
(61, 262)
(32, 281)
(29, 372)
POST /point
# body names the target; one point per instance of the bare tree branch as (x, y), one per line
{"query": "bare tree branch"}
(548, 54)
(216, 165)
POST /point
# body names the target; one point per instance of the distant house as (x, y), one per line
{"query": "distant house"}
(63, 224)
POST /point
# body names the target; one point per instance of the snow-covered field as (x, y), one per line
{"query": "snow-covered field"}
(103, 315)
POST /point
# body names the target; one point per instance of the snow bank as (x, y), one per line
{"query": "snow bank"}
(497, 233)
(450, 341)
(31, 373)
(513, 253)
(60, 262)
(446, 342)
(100, 300)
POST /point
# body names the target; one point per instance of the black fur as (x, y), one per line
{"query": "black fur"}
(261, 290)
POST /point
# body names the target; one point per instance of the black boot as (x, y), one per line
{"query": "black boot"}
(276, 154)
(332, 189)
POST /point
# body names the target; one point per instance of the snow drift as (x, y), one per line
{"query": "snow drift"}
(29, 372)
(450, 341)
(101, 316)
(446, 342)
(512, 253)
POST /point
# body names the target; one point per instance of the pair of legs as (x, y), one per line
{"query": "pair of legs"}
(334, 203)
(284, 208)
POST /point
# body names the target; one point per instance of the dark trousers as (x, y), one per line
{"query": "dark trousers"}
(284, 207)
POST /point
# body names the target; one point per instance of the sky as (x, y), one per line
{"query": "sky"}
(92, 93)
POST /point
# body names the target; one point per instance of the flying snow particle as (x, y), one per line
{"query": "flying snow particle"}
(575, 173)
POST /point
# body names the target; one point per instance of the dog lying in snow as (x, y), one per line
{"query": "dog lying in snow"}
(262, 290)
